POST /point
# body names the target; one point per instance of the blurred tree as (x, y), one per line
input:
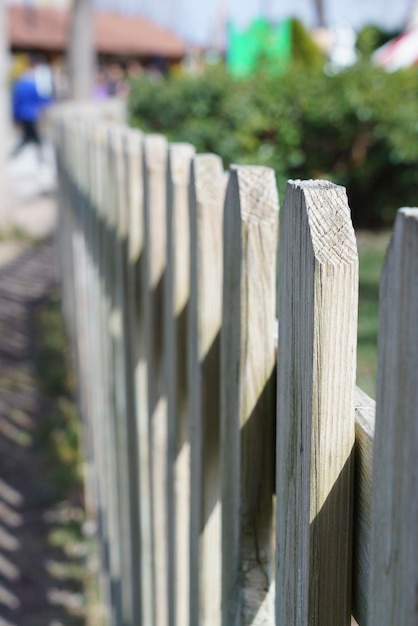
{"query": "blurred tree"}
(304, 49)
(81, 54)
(320, 12)
(371, 37)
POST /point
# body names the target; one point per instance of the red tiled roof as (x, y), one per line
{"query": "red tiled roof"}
(47, 29)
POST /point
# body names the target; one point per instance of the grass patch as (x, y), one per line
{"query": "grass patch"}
(59, 443)
(59, 435)
(372, 249)
(15, 232)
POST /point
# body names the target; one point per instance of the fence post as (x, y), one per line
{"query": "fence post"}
(318, 282)
(205, 311)
(175, 331)
(393, 589)
(155, 167)
(248, 396)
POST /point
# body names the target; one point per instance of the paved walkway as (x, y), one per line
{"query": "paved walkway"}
(28, 208)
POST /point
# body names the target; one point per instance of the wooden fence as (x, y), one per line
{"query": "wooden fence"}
(231, 470)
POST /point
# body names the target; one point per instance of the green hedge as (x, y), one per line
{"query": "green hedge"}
(358, 128)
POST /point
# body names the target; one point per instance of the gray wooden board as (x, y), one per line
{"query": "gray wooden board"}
(393, 588)
(207, 186)
(248, 385)
(318, 283)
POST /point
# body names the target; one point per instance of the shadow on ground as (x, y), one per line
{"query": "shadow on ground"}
(41, 580)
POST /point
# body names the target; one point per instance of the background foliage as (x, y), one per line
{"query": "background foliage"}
(358, 128)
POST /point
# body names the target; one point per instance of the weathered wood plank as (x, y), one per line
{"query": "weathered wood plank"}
(95, 141)
(125, 385)
(140, 306)
(207, 187)
(117, 426)
(393, 590)
(365, 420)
(318, 284)
(176, 298)
(248, 385)
(155, 171)
(133, 140)
(110, 548)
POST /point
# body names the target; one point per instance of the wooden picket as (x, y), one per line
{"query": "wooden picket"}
(315, 421)
(204, 324)
(176, 297)
(394, 524)
(227, 493)
(247, 396)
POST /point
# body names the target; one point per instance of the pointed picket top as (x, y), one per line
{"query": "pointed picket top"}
(330, 225)
(155, 192)
(207, 193)
(178, 170)
(134, 140)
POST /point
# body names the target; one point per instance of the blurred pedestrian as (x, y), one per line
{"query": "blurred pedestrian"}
(115, 79)
(100, 91)
(30, 95)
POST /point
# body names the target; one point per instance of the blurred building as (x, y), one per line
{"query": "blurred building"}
(55, 4)
(43, 26)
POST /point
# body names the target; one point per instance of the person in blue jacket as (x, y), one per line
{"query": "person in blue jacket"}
(29, 100)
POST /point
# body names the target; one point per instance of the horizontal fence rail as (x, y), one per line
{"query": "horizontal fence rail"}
(236, 479)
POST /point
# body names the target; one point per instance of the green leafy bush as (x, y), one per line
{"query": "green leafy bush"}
(371, 37)
(358, 128)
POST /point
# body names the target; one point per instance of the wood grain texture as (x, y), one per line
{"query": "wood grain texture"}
(176, 298)
(248, 382)
(363, 464)
(155, 172)
(393, 590)
(207, 188)
(318, 282)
